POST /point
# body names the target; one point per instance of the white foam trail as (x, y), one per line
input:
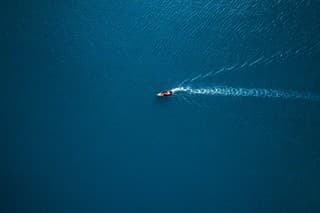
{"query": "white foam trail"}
(278, 56)
(245, 92)
(184, 81)
(195, 78)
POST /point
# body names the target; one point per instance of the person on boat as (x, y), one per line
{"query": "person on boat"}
(165, 93)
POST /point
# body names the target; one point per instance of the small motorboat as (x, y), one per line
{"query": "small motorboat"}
(165, 93)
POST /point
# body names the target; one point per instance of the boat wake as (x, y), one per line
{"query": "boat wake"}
(246, 92)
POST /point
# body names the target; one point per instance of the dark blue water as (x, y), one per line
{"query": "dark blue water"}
(84, 132)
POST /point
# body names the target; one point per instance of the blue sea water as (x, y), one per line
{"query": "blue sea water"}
(84, 132)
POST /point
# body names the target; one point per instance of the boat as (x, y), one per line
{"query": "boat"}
(165, 93)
